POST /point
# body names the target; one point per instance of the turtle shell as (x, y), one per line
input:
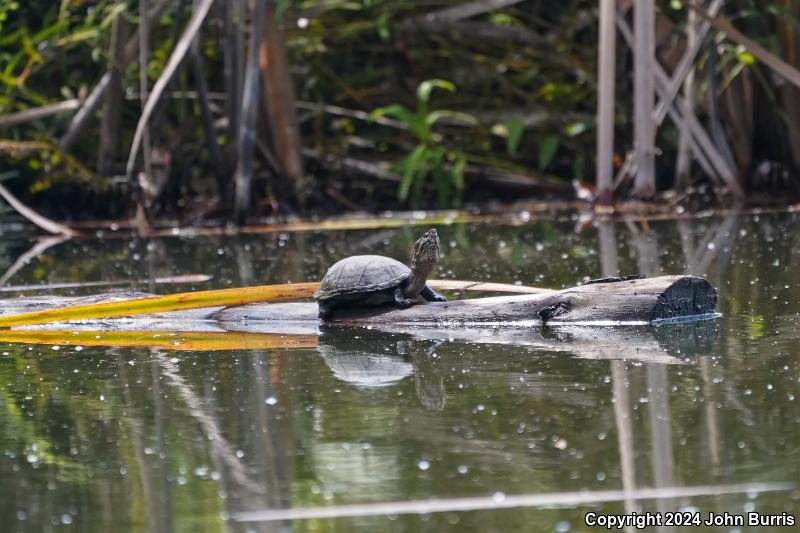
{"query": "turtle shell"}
(361, 274)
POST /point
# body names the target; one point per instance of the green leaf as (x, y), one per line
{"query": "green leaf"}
(30, 48)
(457, 172)
(547, 150)
(400, 112)
(442, 183)
(744, 56)
(425, 88)
(113, 11)
(50, 31)
(575, 128)
(434, 116)
(411, 165)
(579, 168)
(501, 19)
(78, 36)
(383, 27)
(514, 129)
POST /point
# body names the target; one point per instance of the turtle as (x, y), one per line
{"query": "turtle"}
(376, 279)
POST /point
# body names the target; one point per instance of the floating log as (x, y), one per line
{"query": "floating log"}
(627, 301)
(503, 320)
(605, 302)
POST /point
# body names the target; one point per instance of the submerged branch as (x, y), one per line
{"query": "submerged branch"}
(36, 250)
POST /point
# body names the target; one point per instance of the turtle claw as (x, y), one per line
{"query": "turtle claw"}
(439, 298)
(405, 303)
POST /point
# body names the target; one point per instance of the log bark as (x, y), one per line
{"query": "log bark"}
(642, 301)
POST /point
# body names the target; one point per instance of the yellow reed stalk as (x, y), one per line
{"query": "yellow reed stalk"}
(163, 304)
(219, 298)
(168, 340)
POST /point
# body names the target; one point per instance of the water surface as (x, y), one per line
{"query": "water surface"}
(142, 439)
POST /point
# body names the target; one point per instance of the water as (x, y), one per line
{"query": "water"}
(509, 429)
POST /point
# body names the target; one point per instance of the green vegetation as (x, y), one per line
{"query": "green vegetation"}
(524, 107)
(430, 158)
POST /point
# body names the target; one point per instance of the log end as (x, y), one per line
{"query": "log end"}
(687, 297)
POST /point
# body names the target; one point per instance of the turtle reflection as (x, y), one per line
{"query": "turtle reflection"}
(368, 359)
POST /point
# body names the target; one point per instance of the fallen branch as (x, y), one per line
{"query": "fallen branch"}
(41, 221)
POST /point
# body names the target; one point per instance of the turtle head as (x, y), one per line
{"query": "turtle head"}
(425, 253)
(424, 256)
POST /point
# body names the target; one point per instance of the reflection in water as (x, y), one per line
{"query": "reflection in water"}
(149, 439)
(373, 359)
(365, 359)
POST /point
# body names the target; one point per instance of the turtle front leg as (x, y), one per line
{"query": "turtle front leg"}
(325, 310)
(400, 299)
(431, 295)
